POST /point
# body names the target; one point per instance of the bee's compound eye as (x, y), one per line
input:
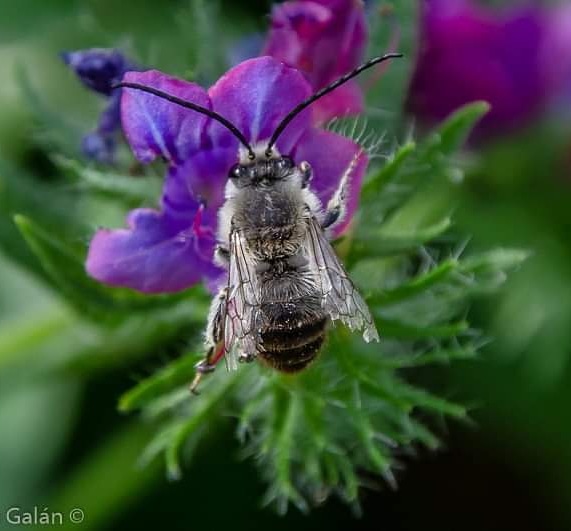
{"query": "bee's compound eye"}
(236, 171)
(284, 164)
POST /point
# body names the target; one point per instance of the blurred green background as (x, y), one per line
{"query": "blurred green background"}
(62, 442)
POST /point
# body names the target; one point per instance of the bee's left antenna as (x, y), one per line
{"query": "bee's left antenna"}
(320, 93)
(194, 107)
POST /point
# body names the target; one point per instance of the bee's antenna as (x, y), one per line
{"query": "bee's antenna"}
(193, 106)
(320, 93)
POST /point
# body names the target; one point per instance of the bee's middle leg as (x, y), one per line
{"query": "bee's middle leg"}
(213, 339)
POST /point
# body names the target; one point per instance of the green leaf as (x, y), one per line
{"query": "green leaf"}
(50, 205)
(387, 243)
(285, 490)
(416, 286)
(175, 374)
(495, 260)
(397, 329)
(412, 167)
(56, 131)
(427, 400)
(452, 134)
(389, 171)
(131, 189)
(64, 265)
(23, 337)
(436, 356)
(202, 408)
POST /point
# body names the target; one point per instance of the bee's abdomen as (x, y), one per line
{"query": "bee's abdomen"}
(293, 359)
(292, 335)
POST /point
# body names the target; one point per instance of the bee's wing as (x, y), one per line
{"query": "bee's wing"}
(242, 302)
(341, 300)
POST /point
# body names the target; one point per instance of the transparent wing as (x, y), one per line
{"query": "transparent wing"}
(240, 336)
(341, 300)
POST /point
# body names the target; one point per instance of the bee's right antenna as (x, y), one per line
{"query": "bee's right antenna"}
(194, 107)
(320, 93)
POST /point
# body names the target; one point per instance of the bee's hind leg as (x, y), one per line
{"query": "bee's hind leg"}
(206, 366)
(213, 340)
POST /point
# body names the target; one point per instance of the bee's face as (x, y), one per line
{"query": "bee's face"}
(262, 172)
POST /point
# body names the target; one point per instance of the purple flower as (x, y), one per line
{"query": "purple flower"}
(469, 53)
(324, 39)
(557, 54)
(99, 69)
(172, 249)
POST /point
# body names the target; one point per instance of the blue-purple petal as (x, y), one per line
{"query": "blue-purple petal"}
(170, 250)
(98, 68)
(200, 180)
(255, 96)
(155, 127)
(151, 256)
(99, 147)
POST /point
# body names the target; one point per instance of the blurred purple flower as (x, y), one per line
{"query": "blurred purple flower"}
(172, 249)
(468, 53)
(558, 55)
(324, 39)
(99, 69)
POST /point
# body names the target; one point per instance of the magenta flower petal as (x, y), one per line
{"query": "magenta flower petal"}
(330, 156)
(155, 127)
(255, 96)
(347, 100)
(557, 54)
(295, 26)
(324, 39)
(468, 52)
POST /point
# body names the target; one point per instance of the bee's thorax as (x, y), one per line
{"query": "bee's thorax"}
(272, 221)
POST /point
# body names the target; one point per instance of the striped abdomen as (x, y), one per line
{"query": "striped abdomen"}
(292, 333)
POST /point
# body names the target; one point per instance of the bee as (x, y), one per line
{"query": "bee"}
(285, 283)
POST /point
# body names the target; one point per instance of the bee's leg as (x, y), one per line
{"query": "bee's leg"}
(246, 358)
(337, 206)
(222, 256)
(306, 173)
(213, 340)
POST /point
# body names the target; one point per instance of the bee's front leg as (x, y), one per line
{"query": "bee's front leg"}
(213, 339)
(337, 205)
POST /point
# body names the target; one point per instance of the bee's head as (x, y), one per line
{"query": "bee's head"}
(262, 171)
